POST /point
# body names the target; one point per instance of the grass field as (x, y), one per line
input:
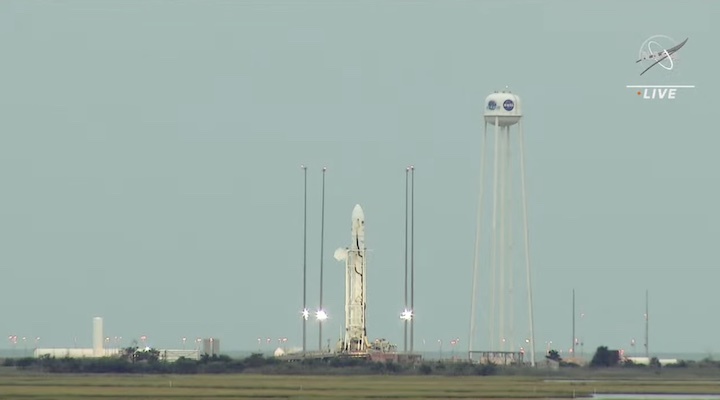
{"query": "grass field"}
(26, 386)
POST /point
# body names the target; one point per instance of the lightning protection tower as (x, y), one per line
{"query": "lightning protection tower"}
(495, 268)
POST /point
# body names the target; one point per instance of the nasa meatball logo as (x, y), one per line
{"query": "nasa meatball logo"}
(492, 105)
(657, 58)
(508, 105)
(658, 51)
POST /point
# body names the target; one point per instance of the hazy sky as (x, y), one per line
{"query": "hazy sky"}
(150, 159)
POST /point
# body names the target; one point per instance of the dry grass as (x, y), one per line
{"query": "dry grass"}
(313, 387)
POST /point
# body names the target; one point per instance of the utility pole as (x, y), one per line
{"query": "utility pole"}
(412, 258)
(405, 321)
(322, 251)
(573, 324)
(305, 310)
(647, 326)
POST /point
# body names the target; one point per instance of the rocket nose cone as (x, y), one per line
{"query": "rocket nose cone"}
(358, 213)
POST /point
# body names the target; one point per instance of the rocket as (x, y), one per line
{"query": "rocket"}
(355, 285)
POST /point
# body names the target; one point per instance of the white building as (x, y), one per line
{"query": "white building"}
(646, 361)
(212, 346)
(169, 355)
(75, 353)
(98, 349)
(172, 355)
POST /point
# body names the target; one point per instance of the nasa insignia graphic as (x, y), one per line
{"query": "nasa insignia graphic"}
(508, 105)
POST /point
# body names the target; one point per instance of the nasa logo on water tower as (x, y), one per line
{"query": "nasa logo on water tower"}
(657, 53)
(510, 112)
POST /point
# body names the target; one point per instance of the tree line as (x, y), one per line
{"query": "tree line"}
(134, 360)
(606, 358)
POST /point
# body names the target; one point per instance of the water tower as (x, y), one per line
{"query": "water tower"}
(496, 263)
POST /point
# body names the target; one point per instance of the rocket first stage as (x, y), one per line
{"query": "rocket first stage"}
(355, 287)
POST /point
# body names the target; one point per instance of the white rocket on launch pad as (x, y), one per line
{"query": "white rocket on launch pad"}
(355, 287)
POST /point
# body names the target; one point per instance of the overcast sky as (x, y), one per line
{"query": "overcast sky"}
(150, 158)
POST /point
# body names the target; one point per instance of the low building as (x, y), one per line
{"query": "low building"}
(74, 353)
(169, 355)
(172, 355)
(646, 360)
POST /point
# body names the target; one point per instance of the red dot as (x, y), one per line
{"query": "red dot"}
(638, 93)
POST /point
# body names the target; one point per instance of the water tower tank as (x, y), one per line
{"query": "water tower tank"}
(505, 106)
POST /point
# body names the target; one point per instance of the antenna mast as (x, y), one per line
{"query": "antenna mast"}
(573, 324)
(647, 326)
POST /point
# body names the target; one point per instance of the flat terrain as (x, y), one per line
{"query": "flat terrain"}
(55, 386)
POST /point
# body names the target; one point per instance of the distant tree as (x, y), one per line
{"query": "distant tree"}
(605, 358)
(568, 364)
(680, 364)
(486, 369)
(25, 363)
(554, 355)
(128, 353)
(148, 355)
(257, 360)
(629, 363)
(133, 354)
(655, 363)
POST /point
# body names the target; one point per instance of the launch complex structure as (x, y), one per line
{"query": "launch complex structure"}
(495, 254)
(355, 340)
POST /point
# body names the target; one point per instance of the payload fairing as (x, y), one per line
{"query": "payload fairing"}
(355, 285)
